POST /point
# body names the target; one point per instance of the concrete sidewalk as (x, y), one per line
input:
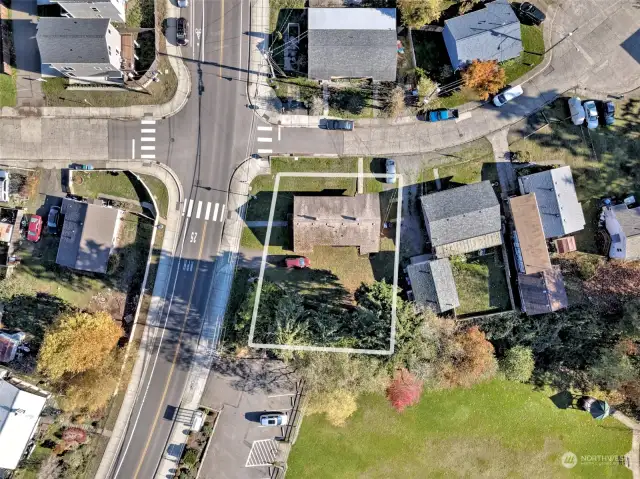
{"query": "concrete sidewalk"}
(214, 314)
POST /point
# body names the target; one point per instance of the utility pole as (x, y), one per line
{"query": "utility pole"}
(561, 40)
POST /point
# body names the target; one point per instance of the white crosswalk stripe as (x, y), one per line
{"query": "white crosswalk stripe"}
(265, 128)
(265, 140)
(148, 130)
(148, 122)
(147, 157)
(147, 138)
(206, 207)
(147, 147)
(265, 151)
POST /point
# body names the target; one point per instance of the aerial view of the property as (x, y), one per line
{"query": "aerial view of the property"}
(249, 239)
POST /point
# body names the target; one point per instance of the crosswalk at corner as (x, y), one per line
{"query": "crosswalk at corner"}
(206, 210)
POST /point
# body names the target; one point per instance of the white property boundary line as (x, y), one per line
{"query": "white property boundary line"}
(265, 252)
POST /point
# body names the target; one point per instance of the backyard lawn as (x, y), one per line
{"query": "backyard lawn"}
(610, 169)
(481, 283)
(495, 429)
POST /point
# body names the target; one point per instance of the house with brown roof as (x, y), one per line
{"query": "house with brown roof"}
(541, 285)
(336, 221)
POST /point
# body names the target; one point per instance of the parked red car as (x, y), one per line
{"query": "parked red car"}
(35, 228)
(301, 262)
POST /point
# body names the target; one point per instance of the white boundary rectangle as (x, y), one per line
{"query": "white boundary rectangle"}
(265, 253)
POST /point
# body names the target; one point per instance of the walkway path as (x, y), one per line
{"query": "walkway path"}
(634, 455)
(506, 174)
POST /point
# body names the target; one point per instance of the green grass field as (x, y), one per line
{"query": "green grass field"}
(496, 429)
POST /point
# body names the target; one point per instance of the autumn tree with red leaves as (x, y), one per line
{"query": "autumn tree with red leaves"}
(405, 390)
(484, 77)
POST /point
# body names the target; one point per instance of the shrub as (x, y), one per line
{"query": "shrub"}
(190, 458)
(337, 406)
(395, 105)
(484, 77)
(518, 364)
(416, 13)
(405, 390)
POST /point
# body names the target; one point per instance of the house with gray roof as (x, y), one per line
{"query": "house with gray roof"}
(623, 225)
(352, 43)
(81, 48)
(88, 235)
(492, 33)
(432, 284)
(463, 219)
(555, 191)
(113, 9)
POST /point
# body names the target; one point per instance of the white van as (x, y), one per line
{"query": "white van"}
(507, 95)
(576, 110)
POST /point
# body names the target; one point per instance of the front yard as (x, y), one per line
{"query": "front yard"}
(609, 169)
(495, 429)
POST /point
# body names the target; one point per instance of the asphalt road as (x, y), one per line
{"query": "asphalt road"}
(202, 144)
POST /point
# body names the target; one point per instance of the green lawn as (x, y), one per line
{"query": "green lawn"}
(495, 429)
(481, 284)
(55, 92)
(8, 92)
(613, 171)
(532, 55)
(92, 184)
(274, 11)
(470, 164)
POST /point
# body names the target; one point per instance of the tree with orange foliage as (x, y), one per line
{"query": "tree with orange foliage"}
(472, 360)
(484, 77)
(405, 390)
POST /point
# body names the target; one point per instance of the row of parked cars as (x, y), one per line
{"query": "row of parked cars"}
(590, 112)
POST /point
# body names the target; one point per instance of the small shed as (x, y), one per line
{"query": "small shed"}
(433, 285)
(566, 244)
(542, 292)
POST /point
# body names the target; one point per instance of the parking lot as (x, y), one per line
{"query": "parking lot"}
(243, 390)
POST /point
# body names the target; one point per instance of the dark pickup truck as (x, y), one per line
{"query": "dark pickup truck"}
(442, 114)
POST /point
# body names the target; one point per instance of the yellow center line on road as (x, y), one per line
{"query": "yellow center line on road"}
(175, 356)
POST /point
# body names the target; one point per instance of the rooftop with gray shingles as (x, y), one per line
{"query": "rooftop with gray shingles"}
(560, 210)
(352, 43)
(87, 236)
(461, 213)
(73, 40)
(433, 285)
(492, 33)
(629, 220)
(336, 221)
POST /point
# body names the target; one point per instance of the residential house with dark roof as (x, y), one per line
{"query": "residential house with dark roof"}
(20, 407)
(88, 236)
(492, 33)
(432, 284)
(623, 225)
(88, 49)
(462, 219)
(113, 9)
(555, 191)
(352, 43)
(336, 221)
(540, 284)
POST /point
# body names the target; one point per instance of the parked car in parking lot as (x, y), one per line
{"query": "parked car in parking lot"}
(390, 169)
(533, 13)
(507, 95)
(576, 110)
(591, 114)
(182, 32)
(35, 228)
(608, 112)
(346, 125)
(274, 419)
(52, 219)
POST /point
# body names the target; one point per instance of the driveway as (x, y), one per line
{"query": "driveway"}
(24, 17)
(242, 390)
